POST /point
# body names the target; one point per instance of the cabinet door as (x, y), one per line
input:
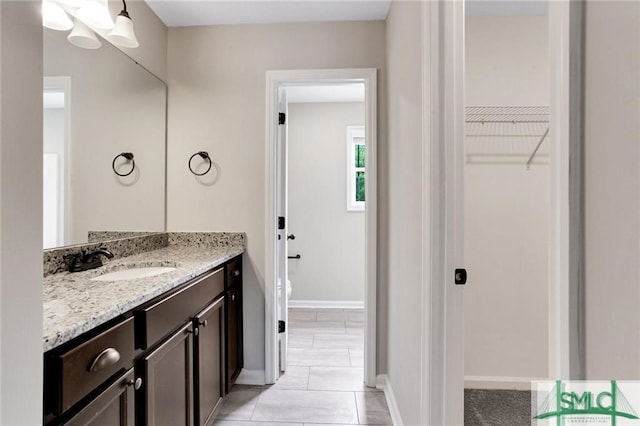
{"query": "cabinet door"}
(168, 381)
(113, 407)
(208, 361)
(235, 356)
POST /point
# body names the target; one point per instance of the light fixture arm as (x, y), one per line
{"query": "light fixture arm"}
(124, 11)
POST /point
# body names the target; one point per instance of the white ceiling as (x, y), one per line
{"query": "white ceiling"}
(182, 13)
(506, 7)
(326, 93)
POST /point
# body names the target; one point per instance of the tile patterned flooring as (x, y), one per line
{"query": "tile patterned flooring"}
(323, 384)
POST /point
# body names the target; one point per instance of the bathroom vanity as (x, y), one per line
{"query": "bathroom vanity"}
(162, 349)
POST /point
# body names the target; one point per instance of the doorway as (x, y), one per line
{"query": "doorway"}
(443, 41)
(56, 116)
(277, 230)
(507, 208)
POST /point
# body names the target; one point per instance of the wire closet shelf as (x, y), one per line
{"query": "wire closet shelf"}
(507, 135)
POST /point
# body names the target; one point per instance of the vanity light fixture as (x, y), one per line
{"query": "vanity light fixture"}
(95, 13)
(82, 36)
(54, 17)
(71, 3)
(123, 34)
(90, 16)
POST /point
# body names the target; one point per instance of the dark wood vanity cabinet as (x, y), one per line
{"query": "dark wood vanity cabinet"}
(177, 356)
(114, 406)
(166, 397)
(233, 321)
(208, 363)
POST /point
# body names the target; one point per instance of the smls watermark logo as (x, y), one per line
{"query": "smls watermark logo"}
(585, 403)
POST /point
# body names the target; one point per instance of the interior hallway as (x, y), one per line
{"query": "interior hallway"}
(324, 381)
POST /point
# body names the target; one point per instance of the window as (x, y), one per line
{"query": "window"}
(356, 152)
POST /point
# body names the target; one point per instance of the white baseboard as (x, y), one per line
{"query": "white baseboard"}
(251, 377)
(326, 304)
(498, 382)
(382, 383)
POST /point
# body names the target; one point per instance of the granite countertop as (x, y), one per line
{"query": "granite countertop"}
(73, 304)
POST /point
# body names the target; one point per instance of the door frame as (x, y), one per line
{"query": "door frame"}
(274, 80)
(63, 83)
(442, 363)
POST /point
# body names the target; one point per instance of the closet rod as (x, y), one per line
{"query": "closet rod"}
(535, 151)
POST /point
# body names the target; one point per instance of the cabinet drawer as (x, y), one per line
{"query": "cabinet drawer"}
(88, 365)
(234, 272)
(160, 318)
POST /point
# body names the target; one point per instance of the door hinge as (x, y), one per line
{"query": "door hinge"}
(461, 276)
(281, 222)
(281, 326)
(281, 117)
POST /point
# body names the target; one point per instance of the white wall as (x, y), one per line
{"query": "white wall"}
(21, 213)
(612, 189)
(217, 76)
(506, 210)
(329, 238)
(404, 162)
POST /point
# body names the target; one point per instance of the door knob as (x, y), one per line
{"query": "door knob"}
(291, 237)
(137, 383)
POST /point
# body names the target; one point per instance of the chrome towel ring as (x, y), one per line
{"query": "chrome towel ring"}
(205, 156)
(128, 156)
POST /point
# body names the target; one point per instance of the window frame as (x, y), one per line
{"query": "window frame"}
(355, 136)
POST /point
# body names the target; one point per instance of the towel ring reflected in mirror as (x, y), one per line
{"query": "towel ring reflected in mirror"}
(128, 156)
(205, 156)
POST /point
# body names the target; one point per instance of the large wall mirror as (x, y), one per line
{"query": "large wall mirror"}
(98, 104)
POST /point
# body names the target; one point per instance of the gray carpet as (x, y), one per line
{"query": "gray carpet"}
(497, 407)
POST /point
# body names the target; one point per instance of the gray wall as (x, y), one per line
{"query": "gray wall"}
(506, 209)
(329, 238)
(612, 182)
(217, 78)
(404, 239)
(20, 213)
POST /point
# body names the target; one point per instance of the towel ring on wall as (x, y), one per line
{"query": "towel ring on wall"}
(205, 156)
(129, 157)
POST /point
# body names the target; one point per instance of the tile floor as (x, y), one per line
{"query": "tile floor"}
(323, 384)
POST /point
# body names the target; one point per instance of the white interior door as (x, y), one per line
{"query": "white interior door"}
(282, 231)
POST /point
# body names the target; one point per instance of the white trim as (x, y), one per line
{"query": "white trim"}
(442, 363)
(499, 383)
(251, 377)
(66, 213)
(566, 233)
(275, 79)
(326, 304)
(382, 383)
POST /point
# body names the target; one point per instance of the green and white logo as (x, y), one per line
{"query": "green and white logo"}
(585, 403)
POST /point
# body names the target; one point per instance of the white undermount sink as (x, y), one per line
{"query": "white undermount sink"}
(133, 273)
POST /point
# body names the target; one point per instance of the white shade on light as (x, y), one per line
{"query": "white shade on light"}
(54, 17)
(122, 34)
(71, 3)
(83, 36)
(95, 13)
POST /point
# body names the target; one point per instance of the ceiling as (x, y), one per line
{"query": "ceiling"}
(326, 93)
(505, 7)
(182, 13)
(185, 13)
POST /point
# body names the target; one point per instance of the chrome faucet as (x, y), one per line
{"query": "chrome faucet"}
(82, 262)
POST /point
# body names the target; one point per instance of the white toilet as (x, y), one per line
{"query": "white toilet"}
(279, 288)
